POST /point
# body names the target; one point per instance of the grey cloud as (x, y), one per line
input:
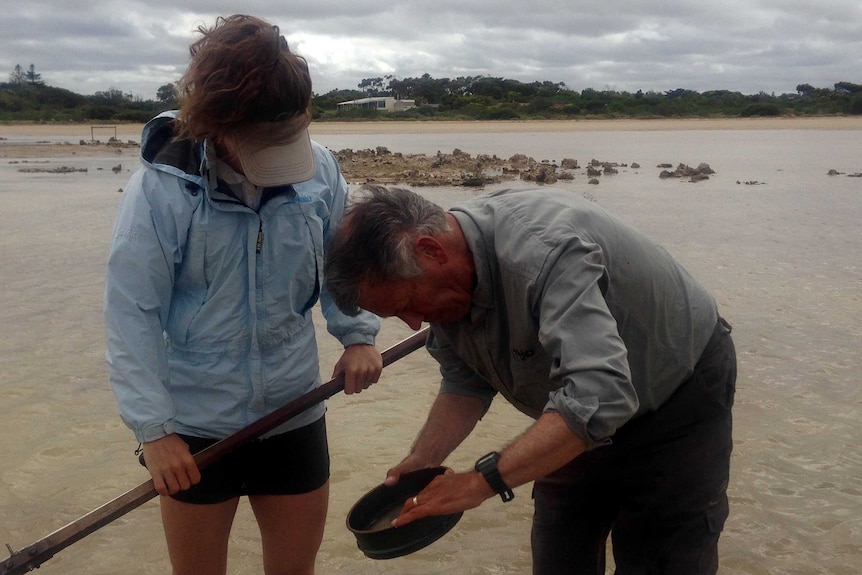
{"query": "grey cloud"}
(742, 45)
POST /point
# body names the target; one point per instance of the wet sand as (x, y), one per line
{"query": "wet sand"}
(782, 260)
(124, 131)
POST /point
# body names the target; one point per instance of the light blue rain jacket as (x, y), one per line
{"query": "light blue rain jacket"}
(208, 305)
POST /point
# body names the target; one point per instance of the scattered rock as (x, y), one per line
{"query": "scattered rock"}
(837, 173)
(700, 173)
(543, 174)
(456, 169)
(459, 168)
(57, 170)
(111, 143)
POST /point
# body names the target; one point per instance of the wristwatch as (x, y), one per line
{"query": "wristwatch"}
(487, 466)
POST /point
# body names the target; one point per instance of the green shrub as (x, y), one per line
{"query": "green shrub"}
(760, 110)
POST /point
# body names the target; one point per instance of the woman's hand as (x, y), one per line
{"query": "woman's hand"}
(171, 464)
(361, 365)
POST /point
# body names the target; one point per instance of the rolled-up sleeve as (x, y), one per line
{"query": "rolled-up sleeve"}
(457, 377)
(595, 394)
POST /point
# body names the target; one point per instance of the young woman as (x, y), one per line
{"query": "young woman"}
(215, 264)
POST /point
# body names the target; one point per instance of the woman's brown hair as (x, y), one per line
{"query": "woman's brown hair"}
(241, 72)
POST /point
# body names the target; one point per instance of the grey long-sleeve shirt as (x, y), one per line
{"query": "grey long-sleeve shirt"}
(573, 311)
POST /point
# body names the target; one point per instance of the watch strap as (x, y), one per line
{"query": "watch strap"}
(487, 466)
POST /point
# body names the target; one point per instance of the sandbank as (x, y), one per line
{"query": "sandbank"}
(621, 125)
(38, 142)
(83, 130)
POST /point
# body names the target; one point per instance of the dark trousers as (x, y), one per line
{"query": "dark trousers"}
(659, 490)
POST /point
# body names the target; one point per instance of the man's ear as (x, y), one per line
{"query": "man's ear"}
(427, 247)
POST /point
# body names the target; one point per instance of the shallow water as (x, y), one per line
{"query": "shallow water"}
(782, 258)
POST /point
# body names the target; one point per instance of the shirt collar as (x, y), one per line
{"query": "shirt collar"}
(481, 300)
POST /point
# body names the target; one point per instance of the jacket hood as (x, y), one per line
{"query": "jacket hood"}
(163, 151)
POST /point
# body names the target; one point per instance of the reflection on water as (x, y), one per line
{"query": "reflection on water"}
(782, 258)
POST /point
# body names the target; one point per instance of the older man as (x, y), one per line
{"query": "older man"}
(585, 325)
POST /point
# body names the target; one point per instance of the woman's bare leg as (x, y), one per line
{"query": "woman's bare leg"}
(291, 528)
(197, 535)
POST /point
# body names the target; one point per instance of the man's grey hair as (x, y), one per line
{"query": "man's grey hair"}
(375, 243)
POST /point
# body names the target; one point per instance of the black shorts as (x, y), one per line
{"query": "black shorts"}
(289, 463)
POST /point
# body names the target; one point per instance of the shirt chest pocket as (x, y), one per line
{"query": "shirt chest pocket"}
(531, 376)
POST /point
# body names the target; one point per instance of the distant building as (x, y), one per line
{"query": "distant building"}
(382, 103)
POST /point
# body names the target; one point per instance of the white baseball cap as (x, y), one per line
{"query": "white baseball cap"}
(276, 153)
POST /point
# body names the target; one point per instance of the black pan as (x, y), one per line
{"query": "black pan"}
(370, 518)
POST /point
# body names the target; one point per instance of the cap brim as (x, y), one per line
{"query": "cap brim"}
(277, 165)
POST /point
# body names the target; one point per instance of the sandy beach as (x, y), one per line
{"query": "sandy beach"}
(773, 237)
(824, 123)
(82, 130)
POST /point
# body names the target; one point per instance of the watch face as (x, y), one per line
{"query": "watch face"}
(486, 461)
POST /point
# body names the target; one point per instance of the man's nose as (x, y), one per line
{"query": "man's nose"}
(411, 319)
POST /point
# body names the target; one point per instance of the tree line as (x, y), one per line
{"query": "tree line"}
(25, 97)
(491, 98)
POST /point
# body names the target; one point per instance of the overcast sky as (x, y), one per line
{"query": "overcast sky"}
(748, 46)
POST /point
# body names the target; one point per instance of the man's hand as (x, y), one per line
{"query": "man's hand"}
(448, 493)
(410, 463)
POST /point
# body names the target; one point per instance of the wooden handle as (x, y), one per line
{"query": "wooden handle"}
(32, 556)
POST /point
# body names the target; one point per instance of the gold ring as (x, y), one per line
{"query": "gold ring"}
(415, 500)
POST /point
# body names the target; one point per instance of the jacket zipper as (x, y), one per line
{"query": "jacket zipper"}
(260, 237)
